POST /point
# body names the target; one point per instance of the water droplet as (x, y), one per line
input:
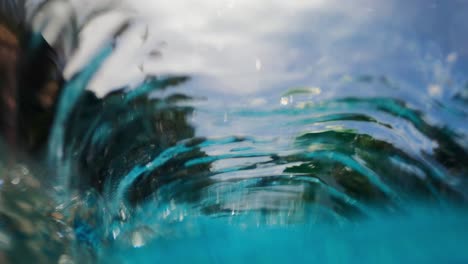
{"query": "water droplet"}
(137, 240)
(452, 57)
(166, 213)
(258, 64)
(24, 170)
(115, 232)
(16, 180)
(284, 100)
(123, 213)
(434, 90)
(59, 235)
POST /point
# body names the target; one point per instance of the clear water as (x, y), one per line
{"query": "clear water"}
(257, 132)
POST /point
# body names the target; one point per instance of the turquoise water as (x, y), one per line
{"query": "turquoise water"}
(356, 155)
(396, 240)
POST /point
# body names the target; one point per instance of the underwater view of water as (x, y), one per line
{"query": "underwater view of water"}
(237, 131)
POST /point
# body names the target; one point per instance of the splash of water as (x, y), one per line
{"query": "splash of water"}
(153, 173)
(351, 159)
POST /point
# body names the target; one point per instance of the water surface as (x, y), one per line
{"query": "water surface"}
(270, 132)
